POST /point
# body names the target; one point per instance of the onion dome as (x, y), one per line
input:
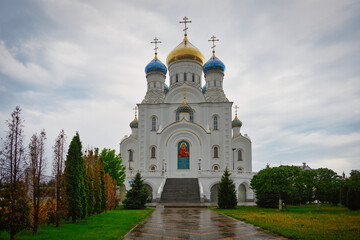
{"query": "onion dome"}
(185, 51)
(203, 89)
(236, 122)
(214, 64)
(184, 107)
(134, 123)
(166, 88)
(155, 66)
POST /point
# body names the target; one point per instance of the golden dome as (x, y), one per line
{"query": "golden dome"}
(185, 51)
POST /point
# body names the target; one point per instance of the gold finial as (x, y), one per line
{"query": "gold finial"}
(236, 109)
(135, 109)
(213, 39)
(185, 22)
(156, 41)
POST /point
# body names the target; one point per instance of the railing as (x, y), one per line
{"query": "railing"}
(157, 173)
(219, 173)
(201, 173)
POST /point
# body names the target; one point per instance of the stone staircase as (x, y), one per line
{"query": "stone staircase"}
(181, 190)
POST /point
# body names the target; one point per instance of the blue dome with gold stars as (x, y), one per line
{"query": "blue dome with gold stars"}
(214, 64)
(155, 66)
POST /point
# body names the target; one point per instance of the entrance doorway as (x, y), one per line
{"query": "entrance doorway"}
(214, 193)
(242, 193)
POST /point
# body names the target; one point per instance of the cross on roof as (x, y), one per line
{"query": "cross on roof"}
(156, 41)
(184, 94)
(185, 22)
(236, 109)
(135, 109)
(213, 39)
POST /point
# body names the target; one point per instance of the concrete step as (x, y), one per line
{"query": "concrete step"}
(185, 190)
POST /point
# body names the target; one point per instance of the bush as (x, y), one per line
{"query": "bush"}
(267, 200)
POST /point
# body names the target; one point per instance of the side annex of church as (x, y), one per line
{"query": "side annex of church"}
(184, 129)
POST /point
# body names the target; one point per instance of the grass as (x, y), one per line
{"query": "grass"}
(302, 222)
(111, 225)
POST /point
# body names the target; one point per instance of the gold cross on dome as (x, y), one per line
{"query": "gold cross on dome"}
(135, 109)
(185, 22)
(184, 94)
(156, 41)
(213, 39)
(236, 109)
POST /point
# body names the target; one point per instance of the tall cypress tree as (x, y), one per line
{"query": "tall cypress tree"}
(75, 191)
(227, 192)
(102, 185)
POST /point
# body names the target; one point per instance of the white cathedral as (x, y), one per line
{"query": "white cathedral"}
(184, 133)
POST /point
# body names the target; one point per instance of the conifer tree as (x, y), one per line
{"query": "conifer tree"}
(97, 184)
(137, 195)
(58, 170)
(102, 185)
(89, 162)
(75, 192)
(227, 193)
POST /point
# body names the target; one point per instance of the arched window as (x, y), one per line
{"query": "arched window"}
(215, 123)
(153, 124)
(216, 167)
(154, 84)
(184, 77)
(131, 155)
(176, 78)
(239, 155)
(191, 116)
(177, 118)
(214, 83)
(153, 152)
(152, 168)
(216, 152)
(193, 77)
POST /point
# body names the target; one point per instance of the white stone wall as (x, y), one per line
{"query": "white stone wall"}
(200, 134)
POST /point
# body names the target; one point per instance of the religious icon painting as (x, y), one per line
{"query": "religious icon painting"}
(183, 155)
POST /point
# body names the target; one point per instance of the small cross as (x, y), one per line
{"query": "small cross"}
(236, 108)
(135, 109)
(213, 39)
(185, 22)
(156, 41)
(184, 95)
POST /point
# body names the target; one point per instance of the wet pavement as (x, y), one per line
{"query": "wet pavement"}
(169, 222)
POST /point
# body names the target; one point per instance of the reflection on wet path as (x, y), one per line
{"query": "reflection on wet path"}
(194, 223)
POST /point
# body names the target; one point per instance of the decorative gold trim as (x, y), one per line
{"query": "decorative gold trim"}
(167, 140)
(188, 121)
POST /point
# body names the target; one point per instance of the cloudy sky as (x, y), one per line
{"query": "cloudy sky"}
(293, 68)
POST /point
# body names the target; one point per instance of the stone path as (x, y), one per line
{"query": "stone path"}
(194, 223)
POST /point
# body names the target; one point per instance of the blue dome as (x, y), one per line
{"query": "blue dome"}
(155, 65)
(214, 64)
(203, 89)
(166, 88)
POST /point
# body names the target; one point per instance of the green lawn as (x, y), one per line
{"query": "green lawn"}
(302, 222)
(111, 225)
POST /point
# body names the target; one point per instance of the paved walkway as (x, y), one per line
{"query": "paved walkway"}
(194, 223)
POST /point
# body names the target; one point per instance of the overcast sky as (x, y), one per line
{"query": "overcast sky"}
(293, 68)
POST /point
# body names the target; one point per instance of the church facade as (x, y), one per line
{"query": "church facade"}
(184, 127)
